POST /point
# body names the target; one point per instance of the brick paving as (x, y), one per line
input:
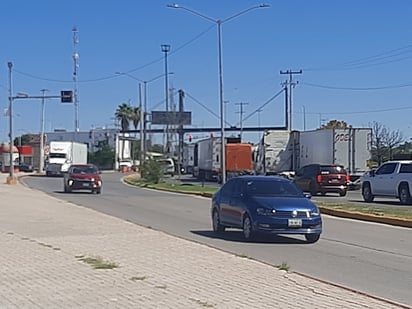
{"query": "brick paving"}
(44, 244)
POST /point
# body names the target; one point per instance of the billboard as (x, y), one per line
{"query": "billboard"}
(172, 118)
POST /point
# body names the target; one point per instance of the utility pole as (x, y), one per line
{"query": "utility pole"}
(291, 85)
(75, 75)
(165, 49)
(41, 147)
(141, 119)
(180, 133)
(11, 178)
(241, 112)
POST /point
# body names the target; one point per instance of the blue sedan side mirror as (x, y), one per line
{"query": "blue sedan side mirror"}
(308, 195)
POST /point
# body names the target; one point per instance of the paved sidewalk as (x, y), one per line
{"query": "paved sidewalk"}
(44, 243)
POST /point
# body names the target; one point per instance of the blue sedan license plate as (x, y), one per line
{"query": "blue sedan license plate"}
(295, 222)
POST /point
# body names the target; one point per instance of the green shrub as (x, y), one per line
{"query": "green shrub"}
(151, 171)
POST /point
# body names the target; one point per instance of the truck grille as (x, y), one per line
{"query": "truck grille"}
(54, 167)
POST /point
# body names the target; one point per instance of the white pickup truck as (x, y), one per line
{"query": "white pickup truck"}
(391, 179)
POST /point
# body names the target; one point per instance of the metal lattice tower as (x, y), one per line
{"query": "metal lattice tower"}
(75, 76)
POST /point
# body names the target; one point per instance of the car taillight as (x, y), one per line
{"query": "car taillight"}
(347, 178)
(319, 178)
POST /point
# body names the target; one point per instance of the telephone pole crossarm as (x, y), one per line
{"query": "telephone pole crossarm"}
(291, 85)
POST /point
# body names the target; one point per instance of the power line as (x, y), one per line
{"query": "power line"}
(362, 112)
(263, 105)
(205, 107)
(103, 78)
(365, 62)
(358, 88)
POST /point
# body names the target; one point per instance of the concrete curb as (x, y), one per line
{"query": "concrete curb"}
(366, 217)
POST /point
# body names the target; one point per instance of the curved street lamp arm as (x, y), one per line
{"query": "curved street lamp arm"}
(217, 21)
(176, 6)
(244, 11)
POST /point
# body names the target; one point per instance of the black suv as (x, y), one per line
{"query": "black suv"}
(322, 178)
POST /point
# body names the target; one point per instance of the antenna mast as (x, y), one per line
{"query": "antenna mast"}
(75, 75)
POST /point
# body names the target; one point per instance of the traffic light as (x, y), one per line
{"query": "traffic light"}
(190, 138)
(66, 96)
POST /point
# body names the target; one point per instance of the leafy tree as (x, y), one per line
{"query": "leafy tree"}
(151, 171)
(22, 140)
(384, 141)
(378, 142)
(392, 140)
(336, 124)
(103, 158)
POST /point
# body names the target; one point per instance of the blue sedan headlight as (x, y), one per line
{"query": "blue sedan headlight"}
(265, 211)
(315, 212)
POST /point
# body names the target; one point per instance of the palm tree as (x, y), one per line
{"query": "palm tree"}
(135, 116)
(124, 113)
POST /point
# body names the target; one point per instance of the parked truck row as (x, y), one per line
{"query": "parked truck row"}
(281, 152)
(207, 158)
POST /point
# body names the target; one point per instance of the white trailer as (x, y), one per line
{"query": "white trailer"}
(350, 147)
(273, 154)
(208, 158)
(188, 158)
(62, 154)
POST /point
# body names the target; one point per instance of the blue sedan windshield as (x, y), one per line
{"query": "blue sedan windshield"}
(272, 188)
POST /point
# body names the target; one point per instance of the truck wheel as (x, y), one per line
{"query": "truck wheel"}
(367, 193)
(404, 194)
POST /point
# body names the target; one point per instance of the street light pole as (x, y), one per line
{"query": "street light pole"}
(41, 156)
(11, 179)
(219, 23)
(222, 107)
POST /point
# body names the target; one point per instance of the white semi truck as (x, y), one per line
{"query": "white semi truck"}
(283, 151)
(62, 154)
(350, 147)
(273, 153)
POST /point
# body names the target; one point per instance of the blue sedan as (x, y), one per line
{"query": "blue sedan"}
(268, 204)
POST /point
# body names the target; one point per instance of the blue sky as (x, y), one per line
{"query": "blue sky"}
(355, 56)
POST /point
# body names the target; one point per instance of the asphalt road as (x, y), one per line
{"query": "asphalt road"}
(353, 196)
(368, 257)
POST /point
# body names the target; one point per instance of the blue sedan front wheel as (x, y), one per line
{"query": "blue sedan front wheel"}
(312, 238)
(248, 232)
(217, 227)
